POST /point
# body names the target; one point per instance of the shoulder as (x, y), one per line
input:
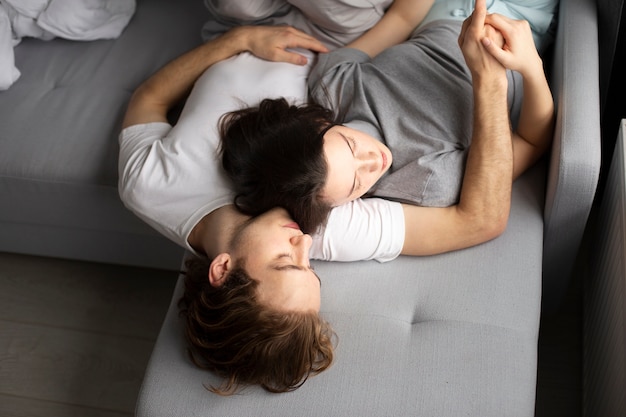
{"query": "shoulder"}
(364, 229)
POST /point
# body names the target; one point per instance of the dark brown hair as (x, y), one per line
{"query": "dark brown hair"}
(274, 155)
(230, 333)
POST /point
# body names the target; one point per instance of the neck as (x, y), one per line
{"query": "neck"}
(213, 234)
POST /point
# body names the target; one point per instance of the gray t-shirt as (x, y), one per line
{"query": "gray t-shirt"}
(417, 98)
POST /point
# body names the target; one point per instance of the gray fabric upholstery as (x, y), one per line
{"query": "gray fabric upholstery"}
(58, 140)
(446, 335)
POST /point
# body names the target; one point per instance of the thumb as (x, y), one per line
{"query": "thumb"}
(494, 50)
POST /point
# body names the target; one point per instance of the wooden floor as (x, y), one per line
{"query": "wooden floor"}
(75, 338)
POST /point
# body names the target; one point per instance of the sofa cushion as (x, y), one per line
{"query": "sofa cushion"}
(448, 335)
(59, 126)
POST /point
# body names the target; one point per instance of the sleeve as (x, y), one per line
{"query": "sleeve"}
(163, 182)
(335, 79)
(135, 145)
(364, 229)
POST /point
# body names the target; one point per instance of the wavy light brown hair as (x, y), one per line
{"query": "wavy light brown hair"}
(231, 334)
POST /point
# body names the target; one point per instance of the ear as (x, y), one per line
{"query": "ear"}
(219, 269)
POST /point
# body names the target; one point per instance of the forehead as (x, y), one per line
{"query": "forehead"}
(341, 174)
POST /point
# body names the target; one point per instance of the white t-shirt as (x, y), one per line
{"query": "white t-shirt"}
(171, 176)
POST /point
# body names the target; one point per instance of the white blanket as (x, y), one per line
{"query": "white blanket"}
(80, 20)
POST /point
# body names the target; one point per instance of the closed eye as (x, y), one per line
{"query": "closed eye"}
(285, 266)
(291, 266)
(351, 139)
(352, 145)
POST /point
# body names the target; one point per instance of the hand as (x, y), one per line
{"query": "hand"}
(475, 34)
(271, 43)
(518, 52)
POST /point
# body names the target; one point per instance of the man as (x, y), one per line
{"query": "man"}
(259, 276)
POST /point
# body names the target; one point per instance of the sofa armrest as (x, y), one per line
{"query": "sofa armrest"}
(575, 159)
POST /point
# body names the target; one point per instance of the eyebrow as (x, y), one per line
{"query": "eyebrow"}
(352, 151)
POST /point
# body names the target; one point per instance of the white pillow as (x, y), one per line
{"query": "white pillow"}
(8, 72)
(86, 20)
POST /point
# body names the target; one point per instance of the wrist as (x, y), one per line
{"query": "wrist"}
(492, 82)
(534, 73)
(237, 39)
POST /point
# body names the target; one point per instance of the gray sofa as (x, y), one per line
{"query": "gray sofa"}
(58, 140)
(446, 335)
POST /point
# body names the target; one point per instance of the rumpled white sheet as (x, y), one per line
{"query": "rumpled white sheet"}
(80, 20)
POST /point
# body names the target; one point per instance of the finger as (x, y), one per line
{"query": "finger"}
(495, 51)
(280, 55)
(464, 27)
(498, 19)
(502, 23)
(479, 14)
(481, 5)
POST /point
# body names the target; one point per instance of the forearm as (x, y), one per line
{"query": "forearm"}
(397, 24)
(535, 128)
(536, 124)
(485, 195)
(536, 121)
(164, 89)
(155, 96)
(174, 81)
(483, 209)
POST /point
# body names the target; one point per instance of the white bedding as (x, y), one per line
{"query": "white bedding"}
(80, 20)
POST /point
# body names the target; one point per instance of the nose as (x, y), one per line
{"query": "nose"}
(369, 162)
(302, 244)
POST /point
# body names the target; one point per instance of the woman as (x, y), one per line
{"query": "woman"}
(419, 99)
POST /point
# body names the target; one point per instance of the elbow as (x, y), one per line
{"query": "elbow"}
(132, 191)
(493, 226)
(128, 196)
(498, 228)
(489, 226)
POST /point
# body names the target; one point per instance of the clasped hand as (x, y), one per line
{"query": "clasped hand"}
(489, 40)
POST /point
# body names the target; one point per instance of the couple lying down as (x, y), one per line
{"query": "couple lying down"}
(433, 118)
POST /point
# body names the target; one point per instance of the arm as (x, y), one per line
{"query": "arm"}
(154, 97)
(394, 27)
(536, 125)
(484, 203)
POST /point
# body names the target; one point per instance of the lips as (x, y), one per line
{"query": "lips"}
(292, 225)
(384, 164)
